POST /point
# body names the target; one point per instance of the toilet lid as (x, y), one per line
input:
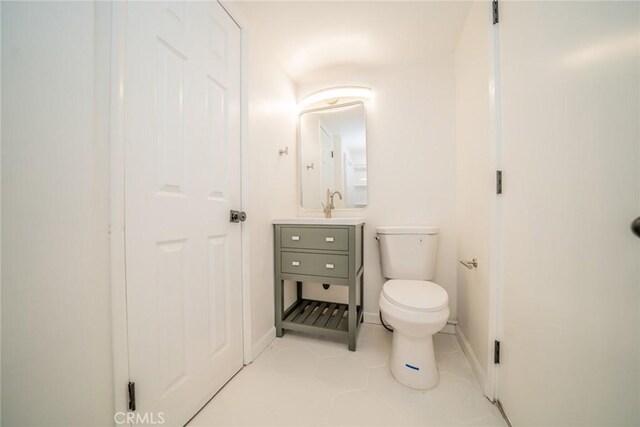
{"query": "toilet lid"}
(418, 295)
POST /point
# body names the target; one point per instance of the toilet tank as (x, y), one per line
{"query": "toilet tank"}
(408, 252)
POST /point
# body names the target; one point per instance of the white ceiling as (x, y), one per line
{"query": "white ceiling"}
(308, 36)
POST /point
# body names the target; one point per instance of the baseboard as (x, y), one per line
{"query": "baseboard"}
(448, 329)
(475, 364)
(262, 343)
(503, 413)
(372, 318)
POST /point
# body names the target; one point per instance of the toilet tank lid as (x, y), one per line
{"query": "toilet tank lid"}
(407, 229)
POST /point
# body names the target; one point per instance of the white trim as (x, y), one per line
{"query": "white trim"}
(475, 363)
(117, 218)
(247, 333)
(260, 345)
(246, 240)
(372, 318)
(495, 268)
(449, 328)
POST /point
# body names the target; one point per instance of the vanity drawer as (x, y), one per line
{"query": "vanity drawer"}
(315, 238)
(315, 264)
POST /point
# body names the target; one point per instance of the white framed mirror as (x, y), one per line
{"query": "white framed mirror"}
(332, 147)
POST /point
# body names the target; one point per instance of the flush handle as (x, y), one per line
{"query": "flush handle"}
(329, 239)
(330, 266)
(296, 238)
(470, 264)
(295, 263)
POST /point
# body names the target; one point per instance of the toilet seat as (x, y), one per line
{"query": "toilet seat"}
(416, 295)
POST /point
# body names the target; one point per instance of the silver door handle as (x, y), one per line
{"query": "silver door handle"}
(330, 266)
(237, 216)
(470, 264)
(328, 239)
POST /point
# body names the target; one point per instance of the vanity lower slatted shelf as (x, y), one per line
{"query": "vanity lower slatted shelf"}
(319, 316)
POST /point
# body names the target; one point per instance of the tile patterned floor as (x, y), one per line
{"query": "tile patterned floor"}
(301, 380)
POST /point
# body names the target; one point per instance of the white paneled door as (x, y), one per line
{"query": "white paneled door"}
(182, 177)
(571, 151)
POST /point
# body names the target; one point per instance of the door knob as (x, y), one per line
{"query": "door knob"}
(635, 226)
(237, 216)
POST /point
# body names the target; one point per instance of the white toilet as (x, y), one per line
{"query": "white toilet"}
(414, 306)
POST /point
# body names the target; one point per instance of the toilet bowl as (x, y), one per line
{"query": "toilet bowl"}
(416, 310)
(411, 303)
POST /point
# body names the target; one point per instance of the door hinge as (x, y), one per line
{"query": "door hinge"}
(498, 182)
(496, 352)
(496, 15)
(132, 396)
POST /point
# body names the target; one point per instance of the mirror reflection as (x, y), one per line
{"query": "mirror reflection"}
(333, 156)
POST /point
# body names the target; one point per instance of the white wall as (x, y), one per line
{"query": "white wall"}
(411, 163)
(272, 178)
(56, 335)
(475, 179)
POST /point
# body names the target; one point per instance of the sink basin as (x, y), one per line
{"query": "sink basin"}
(320, 221)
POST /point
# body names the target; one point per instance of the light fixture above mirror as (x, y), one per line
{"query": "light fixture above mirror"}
(333, 95)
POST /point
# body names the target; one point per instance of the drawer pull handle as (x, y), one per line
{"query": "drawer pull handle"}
(295, 237)
(295, 263)
(329, 239)
(330, 266)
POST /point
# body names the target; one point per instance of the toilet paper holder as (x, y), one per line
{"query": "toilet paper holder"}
(470, 264)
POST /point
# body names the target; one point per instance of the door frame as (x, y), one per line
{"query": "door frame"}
(496, 246)
(120, 346)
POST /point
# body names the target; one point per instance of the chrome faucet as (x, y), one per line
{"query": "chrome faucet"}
(326, 208)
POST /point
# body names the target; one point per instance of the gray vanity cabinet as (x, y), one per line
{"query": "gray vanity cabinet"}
(327, 254)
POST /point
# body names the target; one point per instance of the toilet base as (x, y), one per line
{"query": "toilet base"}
(413, 361)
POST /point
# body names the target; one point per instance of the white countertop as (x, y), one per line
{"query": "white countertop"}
(320, 221)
